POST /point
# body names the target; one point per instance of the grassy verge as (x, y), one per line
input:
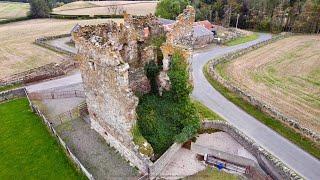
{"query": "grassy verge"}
(210, 173)
(205, 113)
(9, 87)
(274, 124)
(243, 39)
(28, 151)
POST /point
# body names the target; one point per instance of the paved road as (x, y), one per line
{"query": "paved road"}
(297, 159)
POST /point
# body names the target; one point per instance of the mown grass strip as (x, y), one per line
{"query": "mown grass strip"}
(205, 113)
(28, 151)
(212, 173)
(242, 40)
(274, 124)
(9, 87)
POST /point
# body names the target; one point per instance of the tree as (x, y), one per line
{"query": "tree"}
(170, 9)
(40, 8)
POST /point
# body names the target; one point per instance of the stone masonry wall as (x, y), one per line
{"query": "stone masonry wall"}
(11, 94)
(112, 59)
(272, 165)
(254, 101)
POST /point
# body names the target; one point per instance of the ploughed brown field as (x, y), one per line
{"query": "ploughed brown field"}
(284, 74)
(18, 52)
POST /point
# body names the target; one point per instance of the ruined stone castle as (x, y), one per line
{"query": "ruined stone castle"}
(112, 60)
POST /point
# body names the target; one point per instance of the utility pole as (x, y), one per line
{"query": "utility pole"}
(238, 15)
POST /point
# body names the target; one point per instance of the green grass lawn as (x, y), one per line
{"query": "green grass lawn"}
(205, 113)
(276, 125)
(212, 174)
(243, 39)
(27, 150)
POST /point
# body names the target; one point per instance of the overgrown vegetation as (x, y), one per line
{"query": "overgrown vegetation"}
(274, 124)
(40, 8)
(243, 39)
(170, 9)
(262, 15)
(28, 151)
(172, 116)
(144, 147)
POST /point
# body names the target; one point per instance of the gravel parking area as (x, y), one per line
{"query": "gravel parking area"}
(94, 153)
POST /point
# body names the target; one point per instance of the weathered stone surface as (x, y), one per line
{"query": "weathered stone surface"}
(112, 60)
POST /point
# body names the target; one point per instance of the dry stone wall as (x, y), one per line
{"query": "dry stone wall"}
(269, 163)
(11, 94)
(270, 110)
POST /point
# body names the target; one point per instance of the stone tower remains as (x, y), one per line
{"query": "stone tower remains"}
(112, 60)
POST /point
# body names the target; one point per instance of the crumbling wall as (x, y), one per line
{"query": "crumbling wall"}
(112, 60)
(180, 40)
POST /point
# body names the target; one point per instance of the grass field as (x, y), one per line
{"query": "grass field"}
(18, 52)
(274, 124)
(28, 151)
(243, 39)
(13, 10)
(106, 7)
(284, 74)
(212, 174)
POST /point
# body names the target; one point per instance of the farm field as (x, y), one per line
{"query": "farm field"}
(107, 7)
(284, 74)
(18, 53)
(28, 151)
(12, 10)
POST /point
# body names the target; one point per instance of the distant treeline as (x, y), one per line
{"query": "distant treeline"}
(264, 15)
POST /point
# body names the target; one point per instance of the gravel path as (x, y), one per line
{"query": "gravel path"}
(184, 163)
(62, 43)
(92, 150)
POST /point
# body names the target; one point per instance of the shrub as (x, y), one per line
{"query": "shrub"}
(170, 9)
(172, 117)
(40, 8)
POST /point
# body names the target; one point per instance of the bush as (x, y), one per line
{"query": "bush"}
(172, 117)
(40, 8)
(170, 9)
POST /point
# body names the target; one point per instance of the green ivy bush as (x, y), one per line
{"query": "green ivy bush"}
(171, 117)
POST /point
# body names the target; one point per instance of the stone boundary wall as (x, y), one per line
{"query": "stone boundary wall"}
(11, 94)
(40, 73)
(42, 41)
(73, 158)
(156, 168)
(268, 109)
(269, 163)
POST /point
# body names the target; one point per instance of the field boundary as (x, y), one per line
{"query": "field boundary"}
(47, 71)
(266, 108)
(22, 92)
(271, 164)
(42, 41)
(73, 158)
